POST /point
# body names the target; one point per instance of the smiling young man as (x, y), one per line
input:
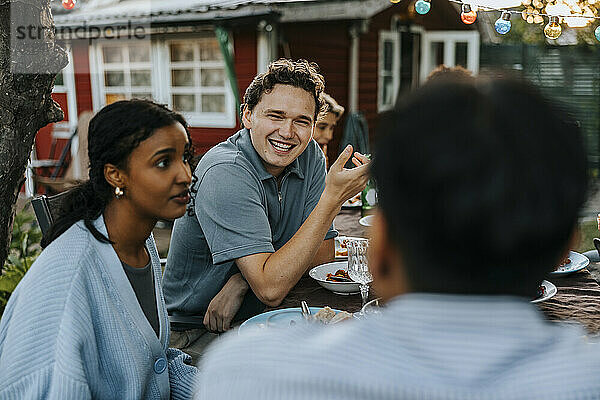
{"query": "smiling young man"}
(263, 210)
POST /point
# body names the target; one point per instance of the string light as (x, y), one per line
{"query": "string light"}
(422, 6)
(555, 12)
(68, 4)
(503, 24)
(553, 29)
(468, 16)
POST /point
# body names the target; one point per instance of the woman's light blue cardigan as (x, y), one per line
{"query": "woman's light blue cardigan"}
(73, 329)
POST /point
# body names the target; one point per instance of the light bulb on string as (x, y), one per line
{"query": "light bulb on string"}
(422, 6)
(395, 1)
(597, 32)
(68, 4)
(553, 29)
(468, 16)
(503, 24)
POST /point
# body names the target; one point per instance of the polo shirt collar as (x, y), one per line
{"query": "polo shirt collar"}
(245, 145)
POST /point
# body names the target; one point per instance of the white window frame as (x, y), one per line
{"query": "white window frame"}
(449, 38)
(161, 82)
(394, 37)
(64, 129)
(97, 69)
(201, 119)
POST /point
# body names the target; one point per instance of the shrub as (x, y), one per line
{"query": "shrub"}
(24, 249)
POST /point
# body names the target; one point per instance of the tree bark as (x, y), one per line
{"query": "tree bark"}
(27, 72)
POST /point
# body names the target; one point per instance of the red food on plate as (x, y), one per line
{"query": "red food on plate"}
(563, 263)
(541, 292)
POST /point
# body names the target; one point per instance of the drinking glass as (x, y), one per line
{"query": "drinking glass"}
(358, 266)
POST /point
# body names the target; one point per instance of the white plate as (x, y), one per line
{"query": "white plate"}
(366, 221)
(353, 202)
(319, 274)
(550, 292)
(277, 319)
(578, 262)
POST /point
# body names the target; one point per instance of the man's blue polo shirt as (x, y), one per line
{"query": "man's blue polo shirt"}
(239, 211)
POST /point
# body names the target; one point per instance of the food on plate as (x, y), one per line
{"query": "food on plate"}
(324, 314)
(541, 292)
(341, 252)
(327, 316)
(341, 316)
(564, 262)
(341, 248)
(354, 200)
(339, 276)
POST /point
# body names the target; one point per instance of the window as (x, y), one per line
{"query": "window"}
(64, 93)
(389, 70)
(189, 75)
(450, 48)
(126, 71)
(198, 81)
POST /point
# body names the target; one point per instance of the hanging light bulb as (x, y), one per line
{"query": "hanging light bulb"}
(68, 4)
(503, 24)
(468, 16)
(395, 1)
(553, 29)
(597, 32)
(422, 6)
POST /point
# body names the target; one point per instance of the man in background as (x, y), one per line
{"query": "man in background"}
(476, 206)
(326, 122)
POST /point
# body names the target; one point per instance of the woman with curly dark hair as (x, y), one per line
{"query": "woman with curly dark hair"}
(89, 319)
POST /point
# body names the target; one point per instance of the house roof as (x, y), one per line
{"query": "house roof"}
(103, 12)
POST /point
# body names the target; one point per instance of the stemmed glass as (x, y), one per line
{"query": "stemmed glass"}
(358, 267)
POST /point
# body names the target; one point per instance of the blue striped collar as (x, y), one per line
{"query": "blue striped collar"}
(465, 311)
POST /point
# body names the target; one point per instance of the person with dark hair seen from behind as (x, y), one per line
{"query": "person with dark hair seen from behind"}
(444, 73)
(474, 211)
(326, 122)
(88, 320)
(264, 210)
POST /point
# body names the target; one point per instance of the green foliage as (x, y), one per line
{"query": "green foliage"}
(523, 32)
(24, 249)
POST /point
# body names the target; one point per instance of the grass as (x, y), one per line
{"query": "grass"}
(588, 230)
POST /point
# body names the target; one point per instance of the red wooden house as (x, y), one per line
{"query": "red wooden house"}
(368, 51)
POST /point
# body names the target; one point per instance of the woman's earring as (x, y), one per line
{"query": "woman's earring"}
(119, 192)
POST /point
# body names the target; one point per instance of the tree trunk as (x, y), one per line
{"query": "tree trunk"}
(28, 66)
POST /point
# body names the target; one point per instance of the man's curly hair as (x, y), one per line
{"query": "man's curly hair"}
(301, 74)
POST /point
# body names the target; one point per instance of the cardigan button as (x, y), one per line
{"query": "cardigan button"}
(160, 365)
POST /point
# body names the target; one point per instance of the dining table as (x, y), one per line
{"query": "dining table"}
(577, 299)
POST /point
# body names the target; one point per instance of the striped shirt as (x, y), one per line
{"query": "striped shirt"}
(423, 346)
